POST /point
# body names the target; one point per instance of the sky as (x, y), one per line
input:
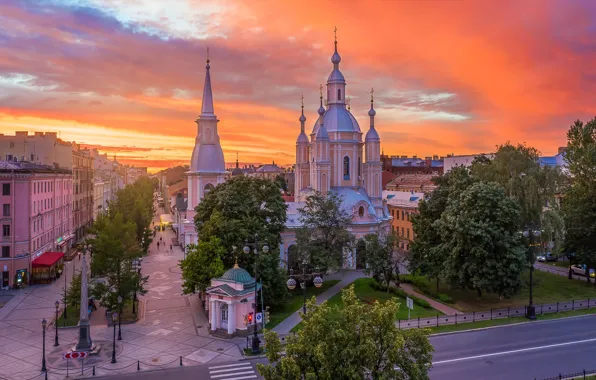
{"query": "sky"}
(450, 77)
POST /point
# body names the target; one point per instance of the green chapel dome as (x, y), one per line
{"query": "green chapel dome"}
(239, 275)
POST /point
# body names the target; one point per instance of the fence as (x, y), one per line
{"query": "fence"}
(547, 308)
(579, 375)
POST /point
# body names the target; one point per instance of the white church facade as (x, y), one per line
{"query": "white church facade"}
(332, 159)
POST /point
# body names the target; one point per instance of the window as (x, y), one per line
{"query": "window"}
(6, 189)
(402, 216)
(338, 94)
(207, 189)
(361, 211)
(346, 168)
(5, 230)
(5, 252)
(6, 209)
(408, 216)
(402, 231)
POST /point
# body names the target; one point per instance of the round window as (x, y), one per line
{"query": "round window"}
(361, 211)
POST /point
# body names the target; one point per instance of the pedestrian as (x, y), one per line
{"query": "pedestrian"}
(160, 238)
(170, 247)
(157, 245)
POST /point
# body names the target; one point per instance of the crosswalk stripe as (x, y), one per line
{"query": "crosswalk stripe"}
(233, 374)
(232, 369)
(241, 377)
(228, 365)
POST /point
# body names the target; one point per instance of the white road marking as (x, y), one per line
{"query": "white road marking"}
(515, 351)
(232, 369)
(241, 377)
(227, 365)
(233, 374)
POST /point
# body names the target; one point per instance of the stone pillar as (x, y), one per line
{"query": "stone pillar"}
(84, 343)
(213, 316)
(231, 318)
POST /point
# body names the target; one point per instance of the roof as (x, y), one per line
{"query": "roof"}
(238, 275)
(29, 167)
(386, 177)
(227, 290)
(269, 168)
(177, 187)
(337, 119)
(411, 180)
(47, 259)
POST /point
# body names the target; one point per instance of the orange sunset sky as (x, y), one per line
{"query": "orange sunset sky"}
(449, 76)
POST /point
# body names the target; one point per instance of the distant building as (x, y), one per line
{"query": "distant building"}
(452, 161)
(413, 165)
(402, 205)
(36, 216)
(267, 171)
(412, 182)
(98, 195)
(83, 186)
(40, 148)
(387, 177)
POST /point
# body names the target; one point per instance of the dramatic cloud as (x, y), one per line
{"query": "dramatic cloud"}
(449, 77)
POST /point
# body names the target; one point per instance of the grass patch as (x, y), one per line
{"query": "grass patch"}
(73, 317)
(295, 302)
(508, 321)
(364, 291)
(548, 288)
(560, 264)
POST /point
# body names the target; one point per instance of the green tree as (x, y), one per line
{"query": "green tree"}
(280, 179)
(382, 262)
(73, 294)
(579, 203)
(425, 255)
(324, 238)
(202, 263)
(357, 341)
(272, 274)
(481, 241)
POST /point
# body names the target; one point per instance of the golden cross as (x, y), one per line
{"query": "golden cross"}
(207, 54)
(302, 100)
(349, 103)
(335, 33)
(321, 90)
(372, 93)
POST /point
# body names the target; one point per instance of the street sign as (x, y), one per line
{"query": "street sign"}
(259, 317)
(75, 355)
(410, 303)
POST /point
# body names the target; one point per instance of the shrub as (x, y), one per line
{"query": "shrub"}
(445, 298)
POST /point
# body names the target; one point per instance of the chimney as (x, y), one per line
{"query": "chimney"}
(562, 149)
(435, 157)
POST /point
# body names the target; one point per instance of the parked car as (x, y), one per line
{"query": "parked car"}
(579, 270)
(546, 257)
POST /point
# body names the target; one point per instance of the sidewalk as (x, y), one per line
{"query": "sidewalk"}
(437, 305)
(345, 277)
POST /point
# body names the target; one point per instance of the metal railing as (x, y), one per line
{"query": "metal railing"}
(578, 375)
(547, 308)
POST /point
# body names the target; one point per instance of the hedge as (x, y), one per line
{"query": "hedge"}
(400, 292)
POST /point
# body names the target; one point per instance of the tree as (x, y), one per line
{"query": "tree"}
(481, 242)
(202, 263)
(425, 255)
(357, 341)
(324, 238)
(579, 203)
(73, 294)
(280, 180)
(381, 259)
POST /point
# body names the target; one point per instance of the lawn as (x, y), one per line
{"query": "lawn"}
(548, 288)
(73, 315)
(295, 302)
(364, 291)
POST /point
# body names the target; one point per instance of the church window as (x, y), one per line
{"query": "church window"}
(338, 94)
(346, 168)
(207, 189)
(361, 211)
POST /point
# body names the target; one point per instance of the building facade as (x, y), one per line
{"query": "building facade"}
(413, 165)
(98, 197)
(402, 206)
(83, 186)
(36, 216)
(39, 148)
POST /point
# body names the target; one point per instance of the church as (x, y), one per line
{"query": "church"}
(332, 159)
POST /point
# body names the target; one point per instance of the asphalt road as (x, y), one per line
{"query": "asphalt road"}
(525, 352)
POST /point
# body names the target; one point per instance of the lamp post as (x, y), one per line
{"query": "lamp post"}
(317, 281)
(136, 266)
(44, 323)
(529, 233)
(255, 339)
(56, 324)
(114, 318)
(119, 318)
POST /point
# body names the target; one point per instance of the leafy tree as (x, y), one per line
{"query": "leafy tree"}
(73, 294)
(382, 262)
(202, 263)
(357, 341)
(280, 180)
(324, 238)
(275, 290)
(481, 241)
(425, 255)
(579, 203)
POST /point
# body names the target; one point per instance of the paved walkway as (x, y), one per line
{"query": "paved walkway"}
(345, 277)
(437, 305)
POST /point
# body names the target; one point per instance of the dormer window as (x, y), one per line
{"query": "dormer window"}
(338, 94)
(346, 168)
(361, 211)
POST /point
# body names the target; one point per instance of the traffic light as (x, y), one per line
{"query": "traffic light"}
(267, 314)
(250, 318)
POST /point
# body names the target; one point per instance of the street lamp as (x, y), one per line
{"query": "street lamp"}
(255, 339)
(56, 323)
(529, 233)
(44, 323)
(119, 318)
(317, 281)
(136, 266)
(114, 318)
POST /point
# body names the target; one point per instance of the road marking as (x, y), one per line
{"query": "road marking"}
(232, 369)
(514, 351)
(251, 372)
(228, 365)
(239, 371)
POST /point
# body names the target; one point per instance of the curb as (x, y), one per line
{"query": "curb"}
(512, 324)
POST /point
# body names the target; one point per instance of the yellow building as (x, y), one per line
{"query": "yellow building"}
(402, 205)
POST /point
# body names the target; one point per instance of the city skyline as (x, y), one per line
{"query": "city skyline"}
(127, 78)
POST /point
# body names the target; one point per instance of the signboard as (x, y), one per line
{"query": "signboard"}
(410, 303)
(259, 317)
(75, 355)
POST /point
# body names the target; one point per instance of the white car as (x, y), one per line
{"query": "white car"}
(579, 270)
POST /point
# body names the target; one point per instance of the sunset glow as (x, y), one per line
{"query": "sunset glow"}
(449, 76)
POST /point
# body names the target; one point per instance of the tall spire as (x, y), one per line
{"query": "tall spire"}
(372, 111)
(302, 117)
(236, 159)
(335, 58)
(321, 108)
(207, 106)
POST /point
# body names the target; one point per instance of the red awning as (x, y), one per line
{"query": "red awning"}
(47, 259)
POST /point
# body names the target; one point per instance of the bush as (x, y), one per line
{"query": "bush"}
(445, 298)
(400, 293)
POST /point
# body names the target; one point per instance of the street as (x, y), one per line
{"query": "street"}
(524, 352)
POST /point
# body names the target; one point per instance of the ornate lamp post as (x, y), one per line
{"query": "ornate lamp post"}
(114, 318)
(119, 318)
(317, 281)
(529, 233)
(255, 339)
(56, 324)
(44, 323)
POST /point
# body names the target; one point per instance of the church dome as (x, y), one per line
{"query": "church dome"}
(336, 76)
(236, 172)
(372, 135)
(338, 119)
(207, 158)
(302, 138)
(238, 275)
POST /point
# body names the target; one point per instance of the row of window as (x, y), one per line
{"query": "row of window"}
(405, 232)
(6, 189)
(405, 215)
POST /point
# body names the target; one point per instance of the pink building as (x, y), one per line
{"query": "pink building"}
(36, 216)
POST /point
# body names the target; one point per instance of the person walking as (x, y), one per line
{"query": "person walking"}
(170, 247)
(157, 245)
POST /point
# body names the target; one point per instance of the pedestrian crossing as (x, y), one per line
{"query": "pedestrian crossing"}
(238, 371)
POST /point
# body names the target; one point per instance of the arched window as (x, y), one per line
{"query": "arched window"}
(293, 259)
(338, 94)
(207, 189)
(346, 168)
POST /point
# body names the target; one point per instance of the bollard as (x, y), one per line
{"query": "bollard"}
(138, 365)
(93, 370)
(46, 375)
(180, 360)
